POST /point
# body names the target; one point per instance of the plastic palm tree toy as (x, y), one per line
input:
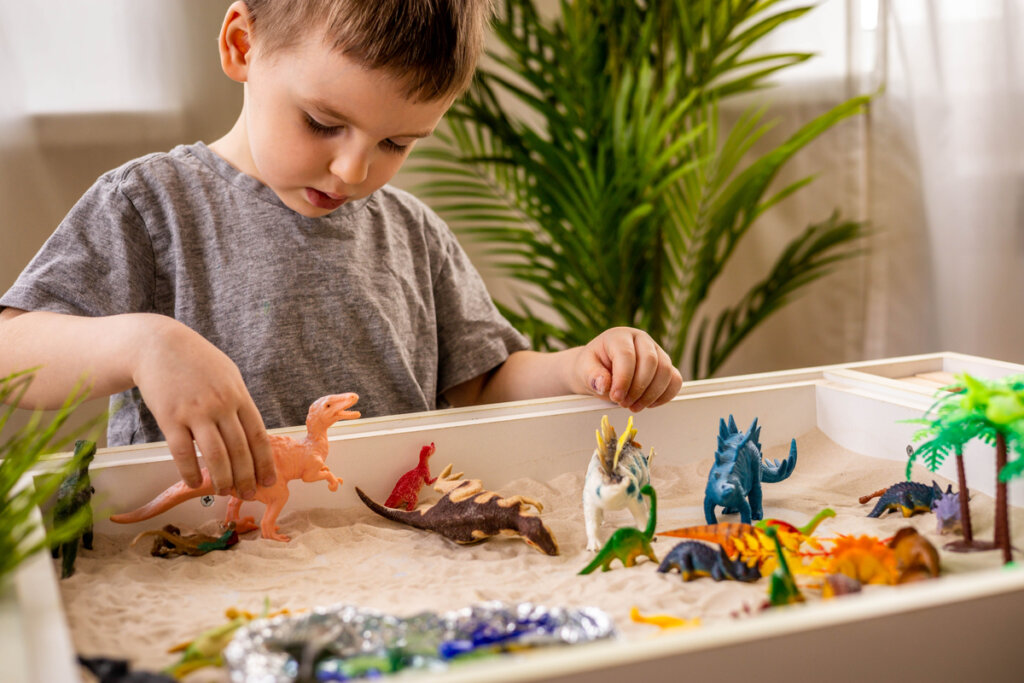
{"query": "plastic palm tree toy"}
(947, 433)
(993, 411)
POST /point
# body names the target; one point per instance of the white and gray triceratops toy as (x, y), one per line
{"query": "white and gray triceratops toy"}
(618, 470)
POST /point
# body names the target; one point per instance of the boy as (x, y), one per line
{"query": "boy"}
(223, 288)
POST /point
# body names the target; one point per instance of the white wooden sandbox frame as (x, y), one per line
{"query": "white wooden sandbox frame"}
(962, 627)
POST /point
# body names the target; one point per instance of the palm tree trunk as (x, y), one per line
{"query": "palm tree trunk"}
(1002, 529)
(965, 506)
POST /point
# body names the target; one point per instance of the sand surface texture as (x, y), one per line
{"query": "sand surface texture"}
(122, 602)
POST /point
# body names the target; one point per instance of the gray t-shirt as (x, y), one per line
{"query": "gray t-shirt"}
(376, 298)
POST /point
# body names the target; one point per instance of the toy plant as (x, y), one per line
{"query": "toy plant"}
(21, 536)
(782, 588)
(206, 649)
(734, 482)
(617, 473)
(73, 499)
(468, 513)
(990, 410)
(292, 460)
(406, 493)
(628, 543)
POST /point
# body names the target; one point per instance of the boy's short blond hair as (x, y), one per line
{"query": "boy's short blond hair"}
(431, 46)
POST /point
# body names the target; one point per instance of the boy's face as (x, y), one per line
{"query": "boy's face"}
(321, 130)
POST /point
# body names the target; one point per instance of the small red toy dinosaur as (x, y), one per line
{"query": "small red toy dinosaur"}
(292, 459)
(407, 490)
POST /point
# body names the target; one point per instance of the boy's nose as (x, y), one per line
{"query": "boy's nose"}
(351, 166)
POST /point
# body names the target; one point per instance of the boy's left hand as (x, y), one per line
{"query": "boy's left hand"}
(629, 368)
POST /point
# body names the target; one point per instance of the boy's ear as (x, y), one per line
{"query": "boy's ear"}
(234, 42)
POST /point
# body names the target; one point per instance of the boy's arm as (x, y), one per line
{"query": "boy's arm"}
(623, 364)
(194, 390)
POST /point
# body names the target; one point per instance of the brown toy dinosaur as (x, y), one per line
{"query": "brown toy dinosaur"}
(468, 513)
(292, 459)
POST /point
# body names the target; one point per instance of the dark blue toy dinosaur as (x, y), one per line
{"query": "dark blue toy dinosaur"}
(694, 559)
(906, 496)
(734, 482)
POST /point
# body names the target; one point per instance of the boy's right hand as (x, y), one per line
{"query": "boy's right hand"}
(196, 392)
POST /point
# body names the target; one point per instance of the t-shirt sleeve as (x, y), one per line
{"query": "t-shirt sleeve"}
(473, 336)
(98, 262)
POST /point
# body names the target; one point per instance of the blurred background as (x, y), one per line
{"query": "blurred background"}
(935, 165)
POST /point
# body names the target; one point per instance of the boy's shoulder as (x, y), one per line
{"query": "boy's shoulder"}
(180, 160)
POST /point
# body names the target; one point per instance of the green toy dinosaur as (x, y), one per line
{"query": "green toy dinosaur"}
(628, 543)
(73, 498)
(782, 588)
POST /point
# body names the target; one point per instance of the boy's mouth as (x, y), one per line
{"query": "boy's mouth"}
(324, 200)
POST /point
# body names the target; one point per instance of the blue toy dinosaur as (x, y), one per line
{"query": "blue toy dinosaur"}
(906, 496)
(694, 559)
(734, 482)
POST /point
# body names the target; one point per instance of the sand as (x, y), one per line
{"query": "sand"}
(122, 602)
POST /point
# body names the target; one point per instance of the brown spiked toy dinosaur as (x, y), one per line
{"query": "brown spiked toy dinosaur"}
(292, 459)
(468, 513)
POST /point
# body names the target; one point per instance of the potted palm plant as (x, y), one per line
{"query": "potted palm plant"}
(21, 454)
(589, 157)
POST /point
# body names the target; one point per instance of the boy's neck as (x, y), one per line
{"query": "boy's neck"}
(233, 147)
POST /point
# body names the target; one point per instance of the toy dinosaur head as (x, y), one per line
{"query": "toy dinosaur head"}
(327, 410)
(610, 447)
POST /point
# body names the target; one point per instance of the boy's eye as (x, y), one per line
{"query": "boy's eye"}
(319, 128)
(389, 145)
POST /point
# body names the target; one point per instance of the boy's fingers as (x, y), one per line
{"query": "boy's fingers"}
(215, 457)
(259, 445)
(653, 392)
(179, 443)
(675, 382)
(623, 359)
(237, 445)
(645, 370)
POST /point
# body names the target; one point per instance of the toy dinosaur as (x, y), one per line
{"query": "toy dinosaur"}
(694, 559)
(907, 496)
(108, 670)
(839, 584)
(617, 472)
(916, 558)
(750, 543)
(734, 482)
(206, 649)
(292, 460)
(467, 513)
(782, 588)
(170, 542)
(407, 490)
(662, 621)
(948, 512)
(628, 543)
(73, 498)
(863, 558)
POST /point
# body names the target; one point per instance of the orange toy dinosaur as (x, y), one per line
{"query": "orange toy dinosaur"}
(292, 459)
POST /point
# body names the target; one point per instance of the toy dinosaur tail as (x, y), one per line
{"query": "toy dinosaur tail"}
(172, 495)
(778, 471)
(598, 560)
(413, 519)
